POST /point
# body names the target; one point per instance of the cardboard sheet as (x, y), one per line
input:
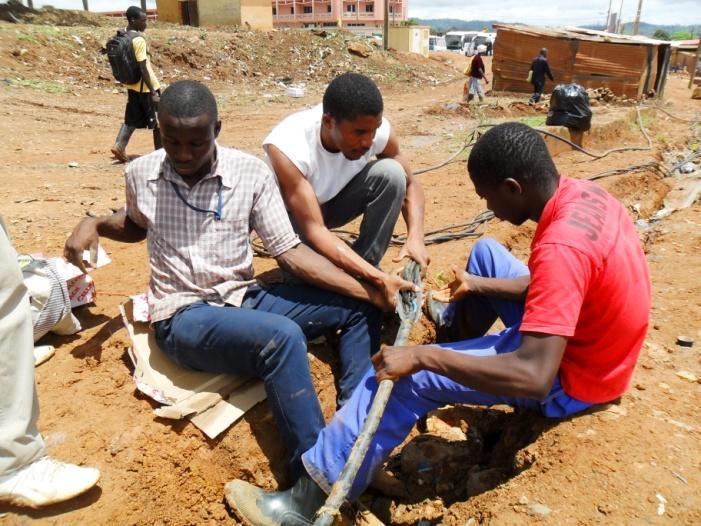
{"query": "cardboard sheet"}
(212, 402)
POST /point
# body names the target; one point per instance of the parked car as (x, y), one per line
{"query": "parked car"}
(459, 41)
(436, 43)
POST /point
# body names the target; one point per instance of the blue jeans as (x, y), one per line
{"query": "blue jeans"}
(265, 338)
(416, 395)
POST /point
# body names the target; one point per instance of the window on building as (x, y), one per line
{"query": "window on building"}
(308, 9)
(369, 8)
(328, 8)
(350, 8)
(292, 10)
(391, 9)
(274, 11)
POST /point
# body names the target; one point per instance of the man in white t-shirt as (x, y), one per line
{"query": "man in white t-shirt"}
(323, 160)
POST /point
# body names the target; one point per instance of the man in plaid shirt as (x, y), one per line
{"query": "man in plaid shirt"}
(196, 203)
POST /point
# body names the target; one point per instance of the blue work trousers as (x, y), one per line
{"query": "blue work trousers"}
(266, 338)
(414, 396)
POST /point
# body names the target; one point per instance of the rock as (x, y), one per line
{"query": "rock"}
(539, 510)
(73, 165)
(359, 49)
(697, 93)
(686, 375)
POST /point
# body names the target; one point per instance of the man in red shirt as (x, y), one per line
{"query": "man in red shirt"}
(575, 320)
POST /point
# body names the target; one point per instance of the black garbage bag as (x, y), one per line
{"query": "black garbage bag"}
(569, 106)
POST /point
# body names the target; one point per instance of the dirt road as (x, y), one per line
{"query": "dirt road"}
(635, 463)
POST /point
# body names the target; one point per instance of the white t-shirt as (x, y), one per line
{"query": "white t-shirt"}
(298, 136)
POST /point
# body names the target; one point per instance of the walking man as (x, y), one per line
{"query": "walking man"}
(143, 94)
(477, 73)
(196, 203)
(540, 68)
(323, 161)
(575, 320)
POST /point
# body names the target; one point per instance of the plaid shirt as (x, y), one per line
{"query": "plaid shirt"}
(193, 256)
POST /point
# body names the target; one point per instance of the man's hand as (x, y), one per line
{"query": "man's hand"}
(392, 363)
(156, 96)
(392, 284)
(84, 237)
(456, 289)
(416, 250)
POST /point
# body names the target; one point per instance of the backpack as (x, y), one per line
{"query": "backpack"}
(120, 54)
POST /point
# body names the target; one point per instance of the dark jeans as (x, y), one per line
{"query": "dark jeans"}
(265, 338)
(538, 87)
(377, 193)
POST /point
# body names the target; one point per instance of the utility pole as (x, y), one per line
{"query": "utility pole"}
(636, 25)
(693, 66)
(85, 5)
(143, 4)
(30, 4)
(385, 28)
(619, 28)
(608, 16)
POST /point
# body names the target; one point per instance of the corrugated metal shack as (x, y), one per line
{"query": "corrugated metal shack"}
(630, 66)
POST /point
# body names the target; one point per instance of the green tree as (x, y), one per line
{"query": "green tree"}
(681, 35)
(661, 34)
(412, 22)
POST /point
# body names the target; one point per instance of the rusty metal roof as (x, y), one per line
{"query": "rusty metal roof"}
(579, 33)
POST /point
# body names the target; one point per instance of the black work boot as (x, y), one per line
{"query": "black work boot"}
(293, 507)
(119, 150)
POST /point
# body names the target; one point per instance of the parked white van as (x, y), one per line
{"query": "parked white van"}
(459, 41)
(436, 43)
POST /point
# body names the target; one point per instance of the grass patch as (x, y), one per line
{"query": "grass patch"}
(26, 38)
(534, 121)
(42, 85)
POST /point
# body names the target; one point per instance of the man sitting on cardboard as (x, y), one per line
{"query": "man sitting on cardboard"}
(196, 203)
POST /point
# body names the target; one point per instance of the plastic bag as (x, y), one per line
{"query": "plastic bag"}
(569, 106)
(529, 78)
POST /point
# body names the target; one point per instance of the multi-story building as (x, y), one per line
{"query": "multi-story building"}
(356, 15)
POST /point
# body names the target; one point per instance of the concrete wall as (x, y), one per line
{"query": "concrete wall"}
(409, 39)
(168, 11)
(258, 14)
(219, 12)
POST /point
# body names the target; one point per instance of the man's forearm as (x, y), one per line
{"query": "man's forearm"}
(119, 227)
(336, 251)
(502, 374)
(514, 289)
(316, 270)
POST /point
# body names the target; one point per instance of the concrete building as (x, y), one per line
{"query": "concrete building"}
(363, 16)
(252, 13)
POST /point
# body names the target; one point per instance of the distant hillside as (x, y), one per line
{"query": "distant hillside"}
(441, 25)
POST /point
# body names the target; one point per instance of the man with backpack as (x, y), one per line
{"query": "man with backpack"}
(129, 58)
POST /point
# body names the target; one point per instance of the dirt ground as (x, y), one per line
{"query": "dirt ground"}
(638, 462)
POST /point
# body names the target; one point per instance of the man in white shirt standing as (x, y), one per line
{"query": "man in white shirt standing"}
(323, 160)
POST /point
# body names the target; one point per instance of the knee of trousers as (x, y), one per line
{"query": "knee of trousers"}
(285, 339)
(392, 175)
(483, 252)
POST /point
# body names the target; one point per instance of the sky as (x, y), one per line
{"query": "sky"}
(535, 12)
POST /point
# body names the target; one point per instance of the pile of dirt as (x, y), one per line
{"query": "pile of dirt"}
(270, 59)
(603, 95)
(16, 12)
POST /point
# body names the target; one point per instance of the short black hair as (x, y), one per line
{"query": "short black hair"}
(134, 13)
(188, 98)
(351, 95)
(511, 150)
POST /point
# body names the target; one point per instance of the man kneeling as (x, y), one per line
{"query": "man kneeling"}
(576, 319)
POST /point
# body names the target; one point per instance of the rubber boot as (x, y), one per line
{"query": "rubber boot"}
(293, 507)
(119, 150)
(157, 144)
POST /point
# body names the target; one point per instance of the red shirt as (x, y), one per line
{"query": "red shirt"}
(590, 283)
(477, 67)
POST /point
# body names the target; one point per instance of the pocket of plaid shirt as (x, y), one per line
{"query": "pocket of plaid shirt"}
(224, 242)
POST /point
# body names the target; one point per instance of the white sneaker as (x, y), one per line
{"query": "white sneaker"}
(46, 481)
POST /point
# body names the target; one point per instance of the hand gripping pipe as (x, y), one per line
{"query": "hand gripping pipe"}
(409, 310)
